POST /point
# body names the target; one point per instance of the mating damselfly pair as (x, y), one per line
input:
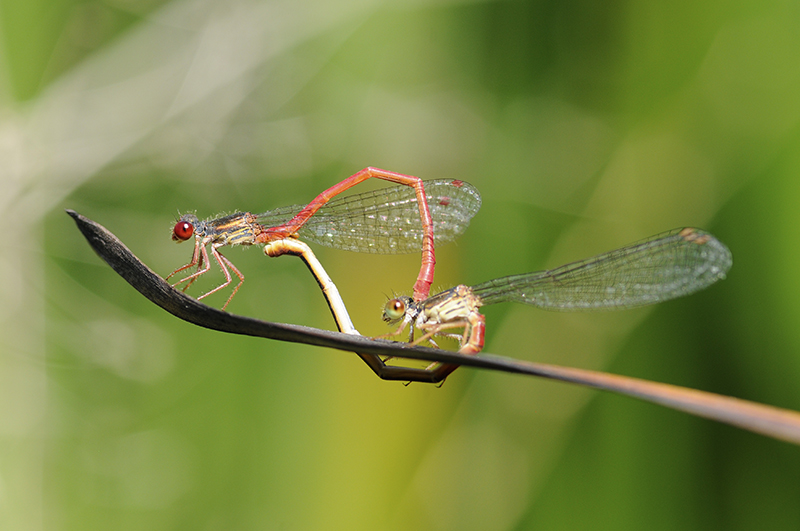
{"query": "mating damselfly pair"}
(416, 215)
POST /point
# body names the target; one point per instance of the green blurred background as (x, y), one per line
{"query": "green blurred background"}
(586, 126)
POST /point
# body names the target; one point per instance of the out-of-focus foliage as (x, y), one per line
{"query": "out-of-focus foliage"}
(586, 126)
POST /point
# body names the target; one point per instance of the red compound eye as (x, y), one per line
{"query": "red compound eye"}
(183, 231)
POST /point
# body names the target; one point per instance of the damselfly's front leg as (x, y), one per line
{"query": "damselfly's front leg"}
(199, 258)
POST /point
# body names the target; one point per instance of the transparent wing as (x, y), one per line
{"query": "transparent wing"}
(386, 220)
(660, 268)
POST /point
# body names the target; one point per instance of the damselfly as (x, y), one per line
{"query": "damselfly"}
(662, 267)
(400, 219)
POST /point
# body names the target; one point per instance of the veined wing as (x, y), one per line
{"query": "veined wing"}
(662, 267)
(386, 220)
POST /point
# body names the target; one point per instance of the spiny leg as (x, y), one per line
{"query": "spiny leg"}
(203, 259)
(193, 262)
(223, 263)
(471, 341)
(238, 274)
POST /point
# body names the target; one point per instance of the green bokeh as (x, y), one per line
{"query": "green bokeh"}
(585, 125)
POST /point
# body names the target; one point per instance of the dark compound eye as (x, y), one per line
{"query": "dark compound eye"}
(183, 231)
